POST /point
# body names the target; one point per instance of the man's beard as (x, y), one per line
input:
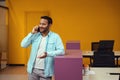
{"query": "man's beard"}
(45, 30)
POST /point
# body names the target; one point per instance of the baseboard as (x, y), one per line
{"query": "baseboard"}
(16, 64)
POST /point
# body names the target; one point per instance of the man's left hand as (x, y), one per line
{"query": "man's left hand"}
(44, 55)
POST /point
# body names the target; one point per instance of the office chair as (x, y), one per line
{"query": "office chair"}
(94, 46)
(106, 45)
(103, 59)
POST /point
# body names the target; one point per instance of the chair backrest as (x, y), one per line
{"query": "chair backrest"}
(94, 46)
(106, 45)
(103, 59)
(73, 45)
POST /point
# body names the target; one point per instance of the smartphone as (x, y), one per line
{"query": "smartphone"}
(38, 30)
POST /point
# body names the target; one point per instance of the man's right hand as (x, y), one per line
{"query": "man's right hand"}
(35, 29)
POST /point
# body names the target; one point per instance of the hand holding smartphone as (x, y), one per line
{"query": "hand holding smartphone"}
(36, 29)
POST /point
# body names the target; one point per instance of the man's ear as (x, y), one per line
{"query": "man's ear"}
(50, 25)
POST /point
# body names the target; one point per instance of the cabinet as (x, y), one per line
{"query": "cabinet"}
(68, 67)
(3, 36)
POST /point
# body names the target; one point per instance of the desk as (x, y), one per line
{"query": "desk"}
(89, 54)
(103, 74)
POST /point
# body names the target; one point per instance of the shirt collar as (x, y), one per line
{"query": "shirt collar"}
(49, 33)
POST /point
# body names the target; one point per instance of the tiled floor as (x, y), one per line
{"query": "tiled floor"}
(14, 73)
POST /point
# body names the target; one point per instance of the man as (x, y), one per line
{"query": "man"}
(45, 46)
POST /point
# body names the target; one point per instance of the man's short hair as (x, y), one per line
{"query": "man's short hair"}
(49, 19)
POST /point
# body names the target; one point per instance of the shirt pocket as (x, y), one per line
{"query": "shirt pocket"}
(36, 42)
(51, 45)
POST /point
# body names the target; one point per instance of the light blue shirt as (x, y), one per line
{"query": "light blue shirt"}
(54, 47)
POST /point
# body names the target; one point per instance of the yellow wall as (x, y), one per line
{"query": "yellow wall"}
(84, 20)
